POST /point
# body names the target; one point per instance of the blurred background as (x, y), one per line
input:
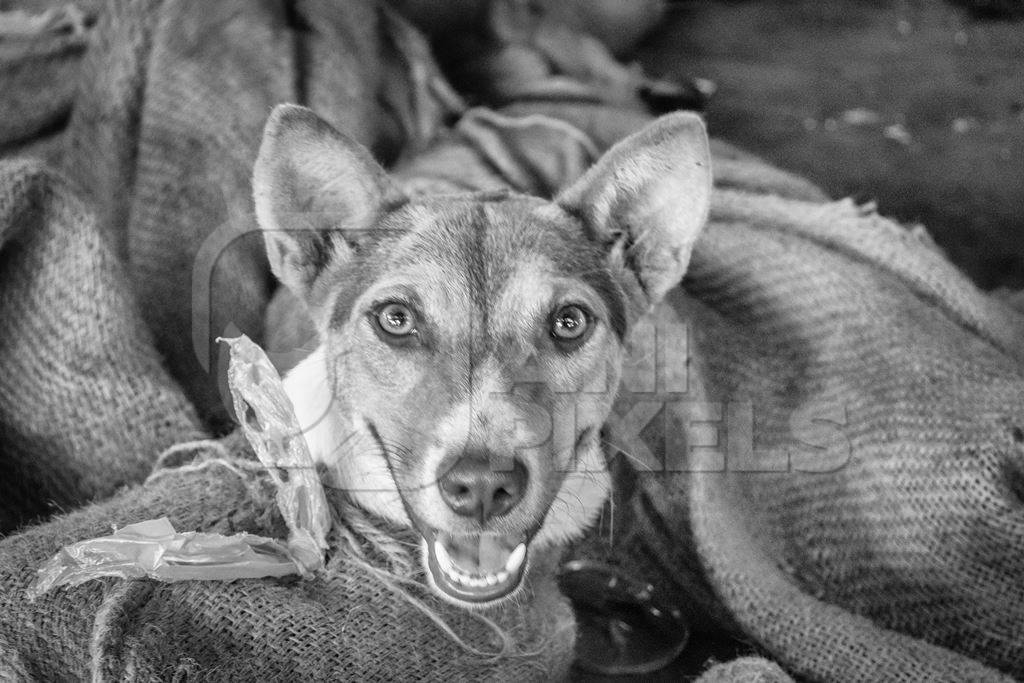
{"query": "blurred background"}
(917, 105)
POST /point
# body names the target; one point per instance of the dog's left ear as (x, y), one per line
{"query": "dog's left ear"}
(647, 199)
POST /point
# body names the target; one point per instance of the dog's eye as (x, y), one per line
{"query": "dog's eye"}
(396, 319)
(570, 324)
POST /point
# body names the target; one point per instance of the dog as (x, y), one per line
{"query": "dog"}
(470, 345)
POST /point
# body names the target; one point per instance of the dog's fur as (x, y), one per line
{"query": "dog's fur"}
(483, 274)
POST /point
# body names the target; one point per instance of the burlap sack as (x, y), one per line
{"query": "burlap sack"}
(347, 624)
(883, 492)
(85, 406)
(26, 60)
(745, 670)
(172, 99)
(859, 517)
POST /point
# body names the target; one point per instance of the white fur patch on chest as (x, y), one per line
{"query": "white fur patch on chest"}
(342, 443)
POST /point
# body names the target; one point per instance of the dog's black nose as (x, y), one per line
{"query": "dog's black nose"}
(477, 486)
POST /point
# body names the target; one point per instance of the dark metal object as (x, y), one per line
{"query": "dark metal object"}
(624, 625)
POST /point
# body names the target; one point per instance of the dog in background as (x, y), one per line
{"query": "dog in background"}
(470, 345)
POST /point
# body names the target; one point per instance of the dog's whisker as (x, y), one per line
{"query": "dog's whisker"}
(626, 454)
(570, 505)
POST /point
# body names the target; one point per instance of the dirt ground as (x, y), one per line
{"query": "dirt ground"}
(916, 105)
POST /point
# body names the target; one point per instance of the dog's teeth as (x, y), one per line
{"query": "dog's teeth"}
(457, 576)
(444, 560)
(515, 560)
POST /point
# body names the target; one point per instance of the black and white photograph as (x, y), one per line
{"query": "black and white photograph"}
(599, 341)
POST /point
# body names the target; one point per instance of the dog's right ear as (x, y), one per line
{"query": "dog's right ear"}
(318, 195)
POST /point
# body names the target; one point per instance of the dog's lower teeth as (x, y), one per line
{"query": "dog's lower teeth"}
(456, 575)
(476, 581)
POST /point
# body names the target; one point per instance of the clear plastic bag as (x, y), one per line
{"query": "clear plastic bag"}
(156, 550)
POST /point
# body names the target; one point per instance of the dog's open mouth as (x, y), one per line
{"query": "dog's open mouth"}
(476, 568)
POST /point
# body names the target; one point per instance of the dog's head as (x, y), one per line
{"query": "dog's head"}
(471, 345)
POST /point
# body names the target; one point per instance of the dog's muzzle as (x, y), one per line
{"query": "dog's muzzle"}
(486, 566)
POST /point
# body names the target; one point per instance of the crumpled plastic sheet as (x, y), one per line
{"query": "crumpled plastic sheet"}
(156, 550)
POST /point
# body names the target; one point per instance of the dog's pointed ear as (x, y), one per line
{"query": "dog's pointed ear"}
(647, 198)
(318, 195)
